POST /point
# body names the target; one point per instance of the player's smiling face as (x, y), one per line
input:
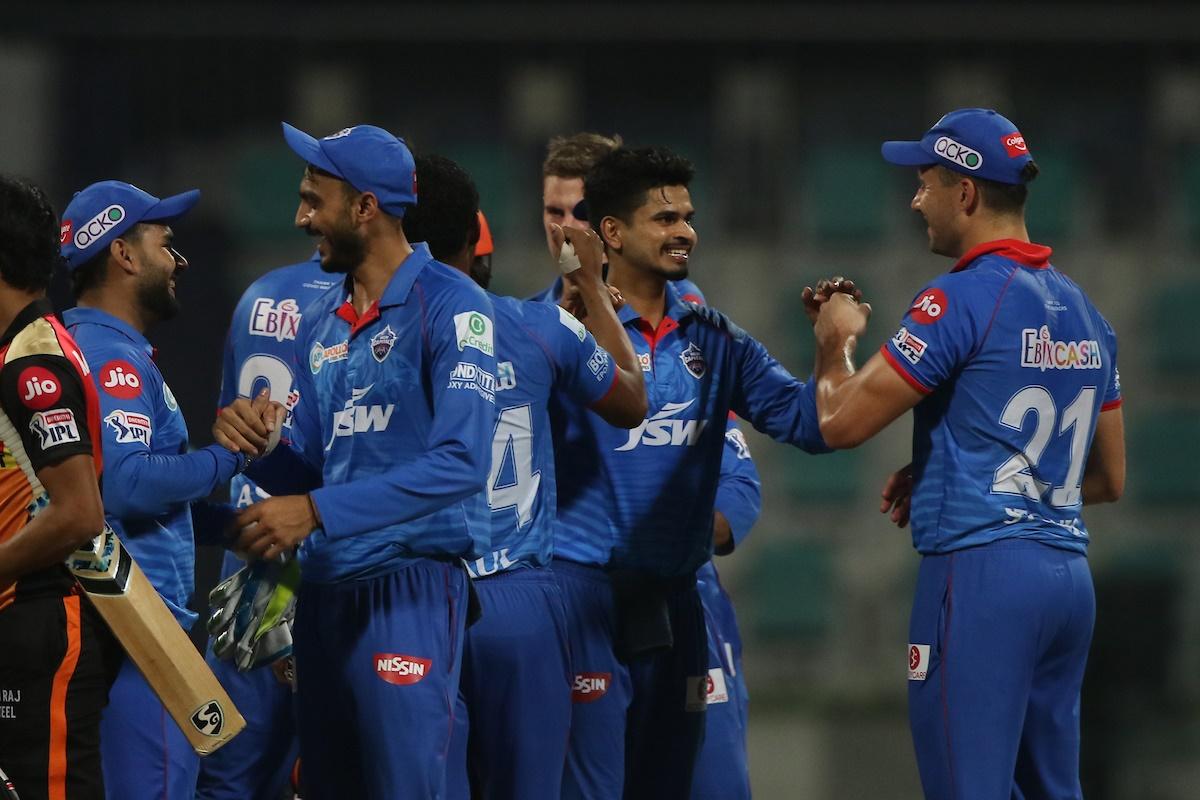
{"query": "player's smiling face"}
(324, 211)
(161, 264)
(938, 201)
(659, 237)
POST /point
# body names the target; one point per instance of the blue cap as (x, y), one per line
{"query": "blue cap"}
(368, 158)
(105, 210)
(973, 141)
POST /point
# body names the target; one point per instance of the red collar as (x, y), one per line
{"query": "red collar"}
(1027, 254)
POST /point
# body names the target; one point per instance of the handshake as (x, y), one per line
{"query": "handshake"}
(250, 427)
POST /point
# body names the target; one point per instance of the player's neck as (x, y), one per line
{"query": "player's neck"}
(13, 302)
(644, 291)
(1000, 228)
(372, 276)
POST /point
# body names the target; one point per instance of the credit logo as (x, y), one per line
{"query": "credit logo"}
(473, 329)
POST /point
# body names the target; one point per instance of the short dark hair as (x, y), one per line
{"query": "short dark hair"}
(446, 214)
(29, 235)
(91, 273)
(572, 156)
(1002, 198)
(616, 185)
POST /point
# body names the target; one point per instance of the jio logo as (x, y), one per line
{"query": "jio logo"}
(120, 379)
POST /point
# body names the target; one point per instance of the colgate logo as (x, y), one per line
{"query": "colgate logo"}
(590, 686)
(399, 669)
(39, 388)
(1014, 143)
(65, 231)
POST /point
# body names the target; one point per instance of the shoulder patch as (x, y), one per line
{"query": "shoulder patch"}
(38, 338)
(929, 307)
(120, 379)
(474, 329)
(570, 323)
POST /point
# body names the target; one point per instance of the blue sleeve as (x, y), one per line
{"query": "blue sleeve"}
(770, 397)
(458, 455)
(138, 483)
(583, 370)
(936, 335)
(739, 490)
(1112, 391)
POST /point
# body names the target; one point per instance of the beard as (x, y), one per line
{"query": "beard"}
(347, 250)
(154, 296)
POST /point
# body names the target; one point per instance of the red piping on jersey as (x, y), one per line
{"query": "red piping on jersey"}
(612, 386)
(1111, 404)
(655, 335)
(348, 313)
(1027, 254)
(904, 373)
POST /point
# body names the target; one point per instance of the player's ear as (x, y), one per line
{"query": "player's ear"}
(610, 232)
(120, 253)
(364, 207)
(968, 198)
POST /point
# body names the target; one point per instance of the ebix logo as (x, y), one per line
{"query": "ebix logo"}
(279, 322)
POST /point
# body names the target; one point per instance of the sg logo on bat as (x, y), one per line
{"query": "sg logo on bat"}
(209, 719)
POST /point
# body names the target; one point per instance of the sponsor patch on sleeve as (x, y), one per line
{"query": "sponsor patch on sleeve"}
(918, 662)
(54, 427)
(718, 692)
(120, 379)
(598, 363)
(911, 346)
(930, 306)
(38, 388)
(129, 427)
(570, 323)
(473, 329)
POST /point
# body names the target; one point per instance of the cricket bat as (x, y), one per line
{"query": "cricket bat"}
(155, 642)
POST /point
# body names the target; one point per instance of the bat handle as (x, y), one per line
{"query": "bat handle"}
(7, 790)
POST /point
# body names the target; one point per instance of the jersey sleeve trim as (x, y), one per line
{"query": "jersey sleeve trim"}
(611, 387)
(1111, 404)
(908, 377)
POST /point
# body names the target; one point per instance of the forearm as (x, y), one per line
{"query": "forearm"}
(146, 485)
(602, 322)
(46, 540)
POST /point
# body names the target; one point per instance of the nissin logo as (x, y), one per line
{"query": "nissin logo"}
(664, 430)
(401, 670)
(590, 686)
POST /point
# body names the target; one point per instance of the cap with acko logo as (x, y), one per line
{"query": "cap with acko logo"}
(484, 246)
(105, 210)
(368, 158)
(974, 141)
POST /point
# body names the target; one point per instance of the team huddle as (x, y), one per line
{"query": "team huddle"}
(471, 537)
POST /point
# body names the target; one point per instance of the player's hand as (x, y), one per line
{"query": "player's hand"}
(588, 249)
(840, 317)
(814, 297)
(247, 427)
(275, 525)
(896, 496)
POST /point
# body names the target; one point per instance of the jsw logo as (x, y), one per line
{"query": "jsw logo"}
(354, 419)
(662, 430)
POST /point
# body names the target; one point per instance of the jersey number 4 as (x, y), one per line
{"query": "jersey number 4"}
(1017, 474)
(512, 482)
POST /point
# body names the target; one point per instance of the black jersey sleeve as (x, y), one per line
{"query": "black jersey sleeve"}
(42, 398)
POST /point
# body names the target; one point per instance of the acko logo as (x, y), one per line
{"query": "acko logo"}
(663, 429)
(959, 153)
(1014, 143)
(589, 687)
(38, 387)
(278, 322)
(97, 226)
(129, 427)
(120, 379)
(343, 132)
(401, 670)
(55, 427)
(929, 307)
(918, 662)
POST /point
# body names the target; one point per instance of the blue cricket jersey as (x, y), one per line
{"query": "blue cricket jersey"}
(149, 476)
(395, 420)
(540, 350)
(259, 352)
(1016, 364)
(643, 499)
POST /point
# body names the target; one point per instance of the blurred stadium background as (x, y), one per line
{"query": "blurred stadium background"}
(782, 107)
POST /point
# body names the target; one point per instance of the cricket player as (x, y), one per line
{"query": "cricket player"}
(722, 769)
(58, 657)
(123, 265)
(1011, 373)
(259, 351)
(636, 507)
(390, 445)
(517, 679)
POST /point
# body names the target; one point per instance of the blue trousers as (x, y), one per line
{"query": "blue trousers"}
(256, 764)
(144, 753)
(515, 691)
(999, 638)
(377, 673)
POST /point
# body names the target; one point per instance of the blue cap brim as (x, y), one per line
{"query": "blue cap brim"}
(906, 154)
(172, 208)
(309, 149)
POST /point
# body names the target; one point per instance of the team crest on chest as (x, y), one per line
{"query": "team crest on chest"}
(381, 343)
(693, 361)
